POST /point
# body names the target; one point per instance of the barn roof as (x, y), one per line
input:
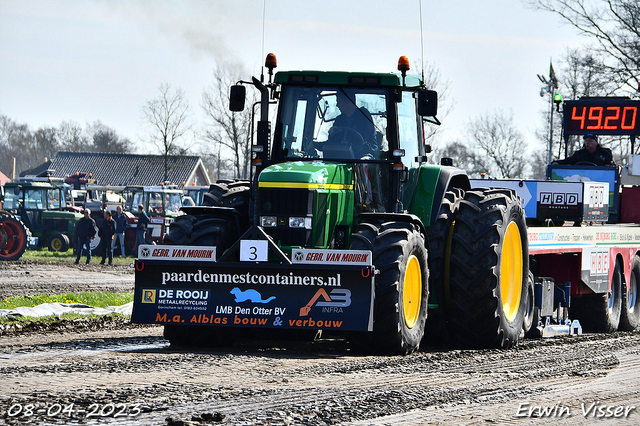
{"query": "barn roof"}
(126, 169)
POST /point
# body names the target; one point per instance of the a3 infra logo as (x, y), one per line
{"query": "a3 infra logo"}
(338, 298)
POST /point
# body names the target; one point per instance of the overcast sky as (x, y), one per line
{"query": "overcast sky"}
(90, 60)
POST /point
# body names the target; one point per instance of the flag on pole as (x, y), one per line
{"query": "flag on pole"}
(552, 75)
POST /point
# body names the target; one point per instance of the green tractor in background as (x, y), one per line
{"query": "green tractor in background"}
(345, 168)
(42, 209)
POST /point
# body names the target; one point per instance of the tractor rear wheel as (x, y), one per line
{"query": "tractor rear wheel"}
(489, 266)
(630, 315)
(203, 230)
(230, 193)
(14, 237)
(401, 288)
(438, 237)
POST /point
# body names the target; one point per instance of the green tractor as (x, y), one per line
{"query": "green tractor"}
(342, 178)
(42, 208)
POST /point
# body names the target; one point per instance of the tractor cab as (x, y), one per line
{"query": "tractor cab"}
(162, 203)
(344, 143)
(30, 199)
(42, 206)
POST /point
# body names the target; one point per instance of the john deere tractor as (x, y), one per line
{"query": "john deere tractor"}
(343, 227)
(42, 208)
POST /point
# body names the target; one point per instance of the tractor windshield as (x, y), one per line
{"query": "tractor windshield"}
(35, 199)
(334, 123)
(11, 199)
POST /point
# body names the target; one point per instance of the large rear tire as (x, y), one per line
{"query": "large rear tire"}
(14, 237)
(439, 240)
(489, 266)
(401, 288)
(630, 315)
(203, 230)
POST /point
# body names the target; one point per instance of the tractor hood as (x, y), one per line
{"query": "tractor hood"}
(305, 175)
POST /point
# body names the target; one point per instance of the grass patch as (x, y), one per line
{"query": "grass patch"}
(96, 299)
(46, 256)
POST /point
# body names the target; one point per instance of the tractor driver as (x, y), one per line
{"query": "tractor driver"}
(592, 152)
(355, 126)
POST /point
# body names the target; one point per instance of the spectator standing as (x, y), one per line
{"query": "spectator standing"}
(141, 228)
(107, 231)
(121, 227)
(85, 232)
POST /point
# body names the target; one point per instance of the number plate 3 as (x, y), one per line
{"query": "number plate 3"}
(254, 251)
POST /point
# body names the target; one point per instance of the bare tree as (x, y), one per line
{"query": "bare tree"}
(169, 121)
(46, 143)
(105, 139)
(500, 142)
(16, 141)
(433, 81)
(494, 146)
(614, 26)
(465, 158)
(228, 133)
(71, 137)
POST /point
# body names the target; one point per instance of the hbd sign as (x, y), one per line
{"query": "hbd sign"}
(559, 199)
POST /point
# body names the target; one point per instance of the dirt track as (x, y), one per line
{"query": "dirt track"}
(23, 278)
(320, 383)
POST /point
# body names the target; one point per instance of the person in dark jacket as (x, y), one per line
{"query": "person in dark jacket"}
(85, 232)
(592, 153)
(107, 231)
(121, 228)
(141, 228)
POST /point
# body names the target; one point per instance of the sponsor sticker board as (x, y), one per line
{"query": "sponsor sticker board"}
(260, 295)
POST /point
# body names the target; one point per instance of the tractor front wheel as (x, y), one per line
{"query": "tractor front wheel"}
(59, 242)
(401, 288)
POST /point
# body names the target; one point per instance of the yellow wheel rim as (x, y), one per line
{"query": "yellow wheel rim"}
(412, 292)
(56, 244)
(511, 272)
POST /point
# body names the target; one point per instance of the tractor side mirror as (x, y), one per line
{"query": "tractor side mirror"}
(237, 97)
(427, 103)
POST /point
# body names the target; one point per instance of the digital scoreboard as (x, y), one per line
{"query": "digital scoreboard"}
(602, 116)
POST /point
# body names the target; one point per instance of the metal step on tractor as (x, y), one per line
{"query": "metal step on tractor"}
(343, 227)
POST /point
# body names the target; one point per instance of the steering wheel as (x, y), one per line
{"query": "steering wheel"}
(586, 163)
(345, 130)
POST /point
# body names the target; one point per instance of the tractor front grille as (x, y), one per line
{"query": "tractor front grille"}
(285, 203)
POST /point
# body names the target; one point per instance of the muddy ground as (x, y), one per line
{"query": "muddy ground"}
(115, 373)
(28, 278)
